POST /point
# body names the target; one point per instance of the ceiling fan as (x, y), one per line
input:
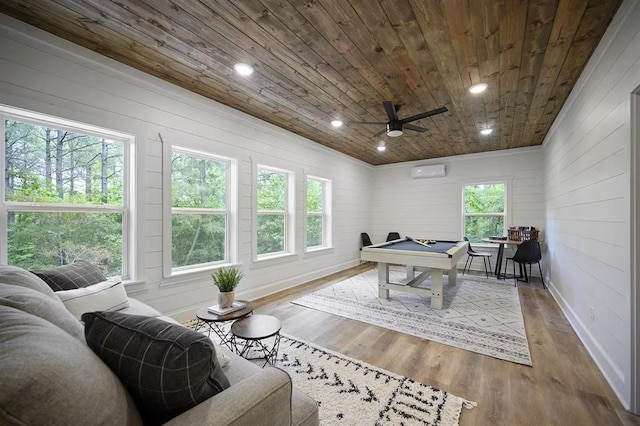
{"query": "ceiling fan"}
(395, 125)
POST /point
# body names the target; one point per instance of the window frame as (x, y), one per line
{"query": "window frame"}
(128, 183)
(327, 232)
(289, 214)
(230, 213)
(507, 203)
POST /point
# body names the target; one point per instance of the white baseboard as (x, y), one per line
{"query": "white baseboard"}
(609, 370)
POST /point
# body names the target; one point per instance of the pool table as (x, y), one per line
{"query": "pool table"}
(441, 256)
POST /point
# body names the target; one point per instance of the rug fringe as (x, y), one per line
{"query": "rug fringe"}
(469, 404)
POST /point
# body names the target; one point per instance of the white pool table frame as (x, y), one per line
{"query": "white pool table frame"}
(438, 263)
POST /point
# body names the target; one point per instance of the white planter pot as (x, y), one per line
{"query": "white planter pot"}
(225, 299)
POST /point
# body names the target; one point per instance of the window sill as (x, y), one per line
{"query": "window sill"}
(134, 286)
(273, 259)
(185, 276)
(485, 245)
(317, 251)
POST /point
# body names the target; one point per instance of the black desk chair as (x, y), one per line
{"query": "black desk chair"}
(527, 253)
(472, 254)
(393, 236)
(364, 241)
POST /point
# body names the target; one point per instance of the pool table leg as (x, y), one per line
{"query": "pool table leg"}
(410, 272)
(383, 278)
(453, 277)
(436, 288)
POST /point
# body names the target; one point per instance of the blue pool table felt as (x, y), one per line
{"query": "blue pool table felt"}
(438, 247)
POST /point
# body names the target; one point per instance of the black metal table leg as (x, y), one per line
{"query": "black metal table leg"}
(499, 261)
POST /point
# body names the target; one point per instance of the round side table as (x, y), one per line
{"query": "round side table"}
(254, 331)
(217, 322)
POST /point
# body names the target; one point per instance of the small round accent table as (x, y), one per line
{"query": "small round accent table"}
(217, 322)
(254, 331)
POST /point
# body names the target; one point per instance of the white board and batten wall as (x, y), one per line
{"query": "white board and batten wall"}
(432, 208)
(587, 176)
(43, 73)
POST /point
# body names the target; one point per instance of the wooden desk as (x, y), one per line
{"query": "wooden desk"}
(501, 243)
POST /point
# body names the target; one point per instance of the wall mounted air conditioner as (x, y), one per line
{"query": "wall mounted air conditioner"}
(433, 171)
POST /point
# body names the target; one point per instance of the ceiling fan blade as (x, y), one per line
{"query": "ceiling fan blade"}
(414, 128)
(391, 110)
(425, 114)
(366, 122)
(379, 133)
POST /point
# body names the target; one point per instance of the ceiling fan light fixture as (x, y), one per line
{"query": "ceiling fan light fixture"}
(394, 129)
(336, 123)
(243, 69)
(486, 131)
(478, 88)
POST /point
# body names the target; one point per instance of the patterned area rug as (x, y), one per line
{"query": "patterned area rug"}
(479, 314)
(351, 392)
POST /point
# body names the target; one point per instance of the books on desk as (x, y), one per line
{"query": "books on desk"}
(216, 309)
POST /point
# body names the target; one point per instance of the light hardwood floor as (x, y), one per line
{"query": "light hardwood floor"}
(564, 386)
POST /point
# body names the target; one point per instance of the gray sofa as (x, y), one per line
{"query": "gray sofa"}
(50, 376)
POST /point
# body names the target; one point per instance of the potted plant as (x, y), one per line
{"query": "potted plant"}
(226, 279)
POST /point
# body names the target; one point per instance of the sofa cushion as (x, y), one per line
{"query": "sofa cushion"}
(137, 307)
(74, 275)
(36, 303)
(49, 377)
(23, 278)
(108, 295)
(166, 367)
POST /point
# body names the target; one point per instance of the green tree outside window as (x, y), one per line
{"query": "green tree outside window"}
(199, 209)
(64, 197)
(484, 211)
(315, 212)
(271, 211)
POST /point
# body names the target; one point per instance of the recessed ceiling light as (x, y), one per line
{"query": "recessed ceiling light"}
(243, 69)
(382, 147)
(478, 88)
(336, 123)
(486, 131)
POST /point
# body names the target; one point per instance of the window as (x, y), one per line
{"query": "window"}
(318, 218)
(65, 194)
(484, 210)
(273, 218)
(200, 188)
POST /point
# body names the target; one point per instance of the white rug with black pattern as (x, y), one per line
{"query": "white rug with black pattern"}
(351, 392)
(479, 314)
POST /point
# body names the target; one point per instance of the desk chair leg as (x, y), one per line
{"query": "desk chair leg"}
(469, 261)
(515, 278)
(541, 277)
(486, 269)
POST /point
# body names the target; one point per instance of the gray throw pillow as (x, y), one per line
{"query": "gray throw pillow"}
(51, 378)
(167, 368)
(74, 275)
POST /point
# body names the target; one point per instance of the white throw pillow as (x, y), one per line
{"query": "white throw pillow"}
(223, 358)
(108, 295)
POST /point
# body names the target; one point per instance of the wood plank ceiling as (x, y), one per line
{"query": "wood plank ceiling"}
(318, 60)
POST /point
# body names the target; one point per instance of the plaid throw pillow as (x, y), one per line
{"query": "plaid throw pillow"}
(166, 367)
(68, 277)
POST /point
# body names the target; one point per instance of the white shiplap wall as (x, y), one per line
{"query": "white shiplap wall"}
(43, 73)
(432, 208)
(588, 198)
